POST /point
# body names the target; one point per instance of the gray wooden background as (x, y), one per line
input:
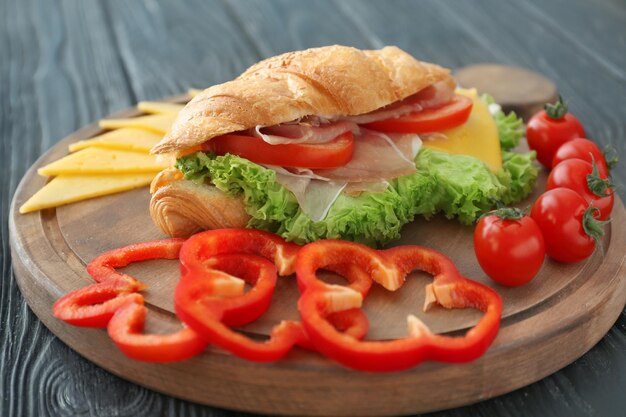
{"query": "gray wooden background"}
(64, 64)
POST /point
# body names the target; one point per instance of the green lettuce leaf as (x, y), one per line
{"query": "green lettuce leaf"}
(510, 127)
(456, 185)
(518, 174)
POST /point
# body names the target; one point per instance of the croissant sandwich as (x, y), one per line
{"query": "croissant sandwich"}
(335, 142)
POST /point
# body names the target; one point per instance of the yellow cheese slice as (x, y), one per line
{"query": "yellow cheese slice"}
(157, 123)
(92, 161)
(69, 189)
(478, 137)
(127, 138)
(159, 107)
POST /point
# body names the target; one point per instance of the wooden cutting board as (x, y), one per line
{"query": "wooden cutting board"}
(546, 324)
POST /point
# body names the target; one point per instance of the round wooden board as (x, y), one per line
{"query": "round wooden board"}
(546, 324)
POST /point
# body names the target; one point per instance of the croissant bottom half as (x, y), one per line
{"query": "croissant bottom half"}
(182, 208)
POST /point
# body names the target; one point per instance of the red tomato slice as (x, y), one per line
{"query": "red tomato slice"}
(452, 114)
(335, 153)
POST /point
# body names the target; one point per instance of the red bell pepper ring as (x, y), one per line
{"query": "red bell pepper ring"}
(126, 330)
(201, 304)
(94, 305)
(390, 268)
(205, 299)
(114, 302)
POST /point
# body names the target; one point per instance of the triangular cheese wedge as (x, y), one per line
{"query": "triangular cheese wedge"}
(69, 189)
(478, 137)
(92, 161)
(127, 138)
(157, 123)
(159, 107)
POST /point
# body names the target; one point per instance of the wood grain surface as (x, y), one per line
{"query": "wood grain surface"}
(67, 63)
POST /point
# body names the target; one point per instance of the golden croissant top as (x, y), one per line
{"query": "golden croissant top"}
(331, 81)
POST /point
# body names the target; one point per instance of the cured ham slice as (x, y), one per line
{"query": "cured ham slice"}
(377, 156)
(433, 96)
(315, 194)
(312, 130)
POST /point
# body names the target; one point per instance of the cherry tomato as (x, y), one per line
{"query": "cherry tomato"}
(509, 248)
(452, 114)
(548, 129)
(582, 149)
(566, 221)
(579, 175)
(335, 153)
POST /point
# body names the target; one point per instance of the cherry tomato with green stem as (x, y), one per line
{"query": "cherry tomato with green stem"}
(550, 128)
(569, 229)
(509, 246)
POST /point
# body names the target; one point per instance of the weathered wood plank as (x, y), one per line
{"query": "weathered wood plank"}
(276, 27)
(167, 48)
(595, 27)
(424, 29)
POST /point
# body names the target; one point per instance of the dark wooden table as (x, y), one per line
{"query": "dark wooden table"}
(64, 64)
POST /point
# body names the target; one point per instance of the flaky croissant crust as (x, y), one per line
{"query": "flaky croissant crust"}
(181, 208)
(330, 81)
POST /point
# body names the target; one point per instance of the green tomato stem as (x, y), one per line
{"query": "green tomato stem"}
(557, 110)
(597, 185)
(593, 227)
(506, 213)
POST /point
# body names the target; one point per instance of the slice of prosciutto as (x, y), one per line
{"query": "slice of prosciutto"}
(311, 130)
(377, 156)
(432, 96)
(315, 194)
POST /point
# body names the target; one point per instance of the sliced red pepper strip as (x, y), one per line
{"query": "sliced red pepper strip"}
(103, 268)
(126, 327)
(94, 305)
(390, 268)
